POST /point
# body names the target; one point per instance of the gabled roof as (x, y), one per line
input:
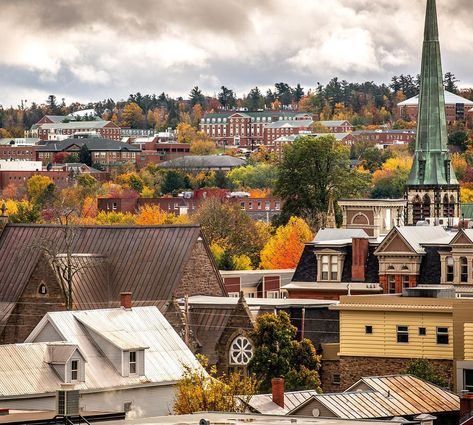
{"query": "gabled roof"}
(290, 124)
(263, 403)
(148, 261)
(386, 397)
(74, 125)
(417, 236)
(24, 369)
(92, 143)
(334, 123)
(450, 99)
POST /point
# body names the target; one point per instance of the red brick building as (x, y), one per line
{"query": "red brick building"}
(46, 130)
(385, 138)
(285, 128)
(337, 126)
(18, 152)
(278, 144)
(156, 152)
(108, 153)
(244, 128)
(457, 108)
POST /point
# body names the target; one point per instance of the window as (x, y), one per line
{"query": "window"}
(368, 329)
(127, 406)
(336, 379)
(468, 380)
(42, 290)
(132, 362)
(422, 332)
(241, 351)
(449, 264)
(442, 335)
(391, 284)
(272, 294)
(233, 294)
(74, 370)
(334, 271)
(403, 334)
(325, 267)
(463, 270)
(405, 281)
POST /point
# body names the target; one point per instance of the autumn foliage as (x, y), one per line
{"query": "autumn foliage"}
(284, 249)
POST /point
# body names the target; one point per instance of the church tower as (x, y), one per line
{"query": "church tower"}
(432, 190)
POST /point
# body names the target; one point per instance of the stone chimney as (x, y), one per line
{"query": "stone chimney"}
(125, 300)
(466, 405)
(359, 248)
(277, 386)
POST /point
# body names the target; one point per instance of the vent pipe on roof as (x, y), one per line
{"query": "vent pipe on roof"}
(125, 300)
(277, 386)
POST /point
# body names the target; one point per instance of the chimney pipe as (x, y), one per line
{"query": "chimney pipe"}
(277, 386)
(125, 300)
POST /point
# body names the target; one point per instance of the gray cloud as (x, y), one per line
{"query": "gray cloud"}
(91, 49)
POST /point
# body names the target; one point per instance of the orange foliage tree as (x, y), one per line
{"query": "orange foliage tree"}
(284, 249)
(151, 215)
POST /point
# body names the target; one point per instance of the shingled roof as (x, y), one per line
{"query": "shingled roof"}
(148, 261)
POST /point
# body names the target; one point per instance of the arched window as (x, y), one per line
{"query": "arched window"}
(426, 207)
(417, 209)
(391, 268)
(448, 206)
(463, 270)
(241, 351)
(42, 289)
(449, 268)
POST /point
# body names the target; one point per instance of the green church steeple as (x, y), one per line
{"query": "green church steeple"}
(432, 161)
(432, 189)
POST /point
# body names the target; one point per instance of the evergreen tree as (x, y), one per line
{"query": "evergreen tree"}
(85, 157)
(227, 98)
(196, 97)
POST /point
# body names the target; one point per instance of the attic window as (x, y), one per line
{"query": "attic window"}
(42, 290)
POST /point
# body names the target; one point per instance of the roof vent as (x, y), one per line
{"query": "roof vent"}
(430, 291)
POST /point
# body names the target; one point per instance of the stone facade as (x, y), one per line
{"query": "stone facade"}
(200, 275)
(33, 305)
(329, 374)
(352, 369)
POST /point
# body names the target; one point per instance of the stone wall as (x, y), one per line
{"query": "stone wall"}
(328, 370)
(32, 306)
(200, 276)
(352, 369)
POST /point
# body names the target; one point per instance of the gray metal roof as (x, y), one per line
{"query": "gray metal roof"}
(290, 124)
(24, 370)
(263, 403)
(203, 162)
(92, 143)
(332, 235)
(388, 396)
(263, 302)
(251, 278)
(75, 125)
(415, 236)
(333, 123)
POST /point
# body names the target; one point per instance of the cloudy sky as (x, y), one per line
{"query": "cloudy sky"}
(93, 49)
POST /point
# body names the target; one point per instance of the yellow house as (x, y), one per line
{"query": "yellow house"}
(382, 334)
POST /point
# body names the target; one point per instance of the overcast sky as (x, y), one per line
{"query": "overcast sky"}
(93, 49)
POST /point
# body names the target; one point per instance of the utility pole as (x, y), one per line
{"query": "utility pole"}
(186, 315)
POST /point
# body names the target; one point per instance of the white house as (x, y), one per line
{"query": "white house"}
(120, 359)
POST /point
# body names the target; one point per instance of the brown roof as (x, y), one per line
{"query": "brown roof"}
(147, 261)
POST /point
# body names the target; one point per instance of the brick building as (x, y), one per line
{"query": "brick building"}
(278, 144)
(244, 128)
(155, 263)
(21, 149)
(58, 128)
(337, 126)
(155, 152)
(106, 152)
(385, 138)
(457, 108)
(285, 128)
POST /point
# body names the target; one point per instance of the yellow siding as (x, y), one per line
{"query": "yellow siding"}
(468, 341)
(383, 341)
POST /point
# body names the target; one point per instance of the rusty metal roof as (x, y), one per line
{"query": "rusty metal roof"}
(263, 403)
(388, 396)
(147, 261)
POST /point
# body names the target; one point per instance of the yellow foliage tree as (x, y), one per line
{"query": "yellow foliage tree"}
(202, 147)
(132, 115)
(111, 217)
(242, 262)
(466, 195)
(37, 186)
(459, 165)
(153, 215)
(284, 249)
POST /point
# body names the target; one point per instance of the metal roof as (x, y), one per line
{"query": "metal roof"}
(148, 261)
(342, 235)
(252, 278)
(92, 143)
(75, 124)
(24, 370)
(263, 403)
(333, 123)
(415, 236)
(450, 99)
(388, 396)
(290, 124)
(262, 302)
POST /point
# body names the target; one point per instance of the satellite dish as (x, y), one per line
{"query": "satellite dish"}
(316, 413)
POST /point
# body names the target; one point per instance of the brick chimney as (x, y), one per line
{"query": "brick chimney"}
(277, 386)
(125, 300)
(359, 251)
(466, 405)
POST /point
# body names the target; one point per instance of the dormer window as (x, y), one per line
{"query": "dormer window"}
(132, 362)
(74, 370)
